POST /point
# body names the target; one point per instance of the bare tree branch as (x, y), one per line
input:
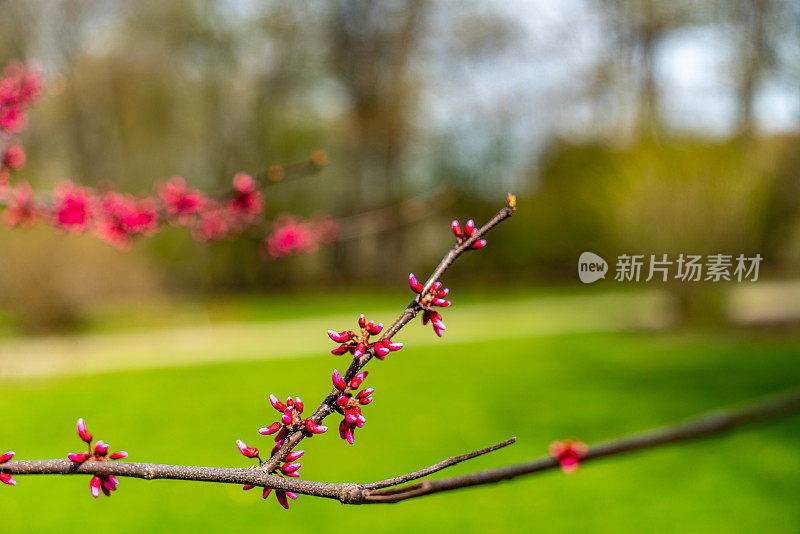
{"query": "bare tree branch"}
(379, 492)
(704, 425)
(453, 460)
(411, 311)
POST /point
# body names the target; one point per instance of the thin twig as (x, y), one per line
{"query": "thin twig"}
(453, 460)
(292, 171)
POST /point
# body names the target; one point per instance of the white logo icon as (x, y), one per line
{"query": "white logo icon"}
(591, 267)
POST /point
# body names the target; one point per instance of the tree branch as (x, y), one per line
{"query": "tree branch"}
(380, 492)
(326, 406)
(704, 425)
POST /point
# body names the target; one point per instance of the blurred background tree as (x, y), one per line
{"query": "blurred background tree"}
(625, 126)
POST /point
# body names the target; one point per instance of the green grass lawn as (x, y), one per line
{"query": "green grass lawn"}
(432, 402)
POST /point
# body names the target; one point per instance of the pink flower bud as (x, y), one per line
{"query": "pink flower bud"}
(295, 474)
(341, 349)
(291, 467)
(436, 286)
(94, 486)
(569, 465)
(278, 405)
(361, 419)
(389, 344)
(338, 382)
(265, 493)
(350, 417)
(348, 434)
(14, 158)
(314, 428)
(469, 228)
(373, 328)
(289, 401)
(480, 243)
(362, 321)
(281, 495)
(381, 350)
(119, 455)
(298, 404)
(456, 229)
(6, 457)
(342, 429)
(291, 495)
(294, 455)
(438, 325)
(569, 454)
(5, 478)
(441, 302)
(82, 432)
(444, 292)
(280, 435)
(271, 429)
(359, 352)
(248, 487)
(340, 337)
(286, 419)
(365, 393)
(250, 452)
(416, 287)
(365, 401)
(108, 485)
(101, 448)
(78, 457)
(342, 400)
(356, 381)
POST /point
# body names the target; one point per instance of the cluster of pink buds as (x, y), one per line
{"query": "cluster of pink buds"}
(73, 207)
(291, 235)
(358, 345)
(5, 478)
(182, 203)
(468, 231)
(99, 483)
(20, 86)
(279, 494)
(21, 207)
(350, 405)
(13, 159)
(569, 454)
(123, 217)
(291, 418)
(120, 217)
(247, 202)
(435, 296)
(290, 467)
